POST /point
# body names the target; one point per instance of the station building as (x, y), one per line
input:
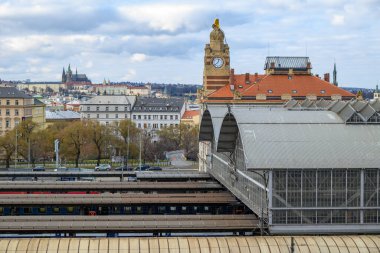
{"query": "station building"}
(310, 167)
(285, 78)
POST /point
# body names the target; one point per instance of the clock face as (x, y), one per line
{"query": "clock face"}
(217, 62)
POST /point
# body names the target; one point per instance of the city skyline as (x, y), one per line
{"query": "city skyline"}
(164, 41)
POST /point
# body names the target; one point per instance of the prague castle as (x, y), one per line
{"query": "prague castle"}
(285, 78)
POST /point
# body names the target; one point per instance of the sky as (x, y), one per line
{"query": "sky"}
(163, 41)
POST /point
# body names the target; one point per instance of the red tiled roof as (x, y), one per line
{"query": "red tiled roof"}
(297, 85)
(224, 92)
(191, 114)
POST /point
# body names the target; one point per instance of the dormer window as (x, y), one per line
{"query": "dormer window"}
(294, 91)
(323, 91)
(290, 77)
(240, 86)
(270, 91)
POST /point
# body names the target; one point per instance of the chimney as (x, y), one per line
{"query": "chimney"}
(326, 77)
(232, 80)
(308, 65)
(272, 65)
(256, 75)
(247, 78)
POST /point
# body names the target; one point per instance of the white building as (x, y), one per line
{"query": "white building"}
(108, 109)
(153, 114)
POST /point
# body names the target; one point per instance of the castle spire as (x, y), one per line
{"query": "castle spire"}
(335, 81)
(63, 75)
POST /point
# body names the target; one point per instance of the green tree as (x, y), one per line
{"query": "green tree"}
(8, 145)
(73, 139)
(25, 130)
(99, 135)
(127, 129)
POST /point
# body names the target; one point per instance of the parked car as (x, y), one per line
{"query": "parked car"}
(155, 168)
(143, 167)
(103, 167)
(124, 168)
(39, 168)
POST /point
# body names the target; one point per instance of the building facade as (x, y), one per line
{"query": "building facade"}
(41, 87)
(152, 114)
(310, 167)
(16, 106)
(108, 109)
(122, 89)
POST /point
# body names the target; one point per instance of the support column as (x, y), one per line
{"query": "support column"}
(361, 196)
(270, 196)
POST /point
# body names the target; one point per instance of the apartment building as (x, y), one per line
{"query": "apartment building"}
(108, 109)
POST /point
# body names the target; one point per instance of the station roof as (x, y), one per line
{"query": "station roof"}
(280, 244)
(281, 137)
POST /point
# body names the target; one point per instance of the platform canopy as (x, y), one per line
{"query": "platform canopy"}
(283, 138)
(241, 244)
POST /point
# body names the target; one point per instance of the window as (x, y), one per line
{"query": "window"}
(139, 116)
(88, 108)
(270, 91)
(7, 112)
(165, 117)
(8, 102)
(7, 123)
(107, 108)
(107, 123)
(125, 108)
(16, 102)
(88, 116)
(116, 108)
(176, 117)
(97, 108)
(106, 116)
(17, 122)
(323, 91)
(126, 116)
(134, 116)
(294, 91)
(149, 117)
(161, 117)
(139, 125)
(97, 116)
(144, 116)
(117, 116)
(16, 112)
(171, 117)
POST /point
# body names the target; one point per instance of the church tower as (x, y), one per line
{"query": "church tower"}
(216, 72)
(63, 75)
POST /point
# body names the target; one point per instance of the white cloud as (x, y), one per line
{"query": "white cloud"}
(337, 20)
(138, 57)
(131, 73)
(161, 17)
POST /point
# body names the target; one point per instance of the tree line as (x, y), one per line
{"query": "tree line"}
(90, 140)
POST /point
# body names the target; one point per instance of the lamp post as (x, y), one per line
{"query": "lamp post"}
(16, 151)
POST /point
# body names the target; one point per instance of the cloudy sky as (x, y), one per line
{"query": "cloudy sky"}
(163, 41)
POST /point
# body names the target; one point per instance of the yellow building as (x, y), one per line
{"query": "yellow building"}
(38, 113)
(16, 106)
(191, 117)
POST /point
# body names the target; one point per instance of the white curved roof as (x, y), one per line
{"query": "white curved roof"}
(241, 244)
(278, 138)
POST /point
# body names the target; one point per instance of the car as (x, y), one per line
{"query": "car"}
(143, 167)
(124, 168)
(39, 168)
(103, 167)
(155, 168)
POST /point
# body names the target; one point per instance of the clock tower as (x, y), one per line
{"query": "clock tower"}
(216, 73)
